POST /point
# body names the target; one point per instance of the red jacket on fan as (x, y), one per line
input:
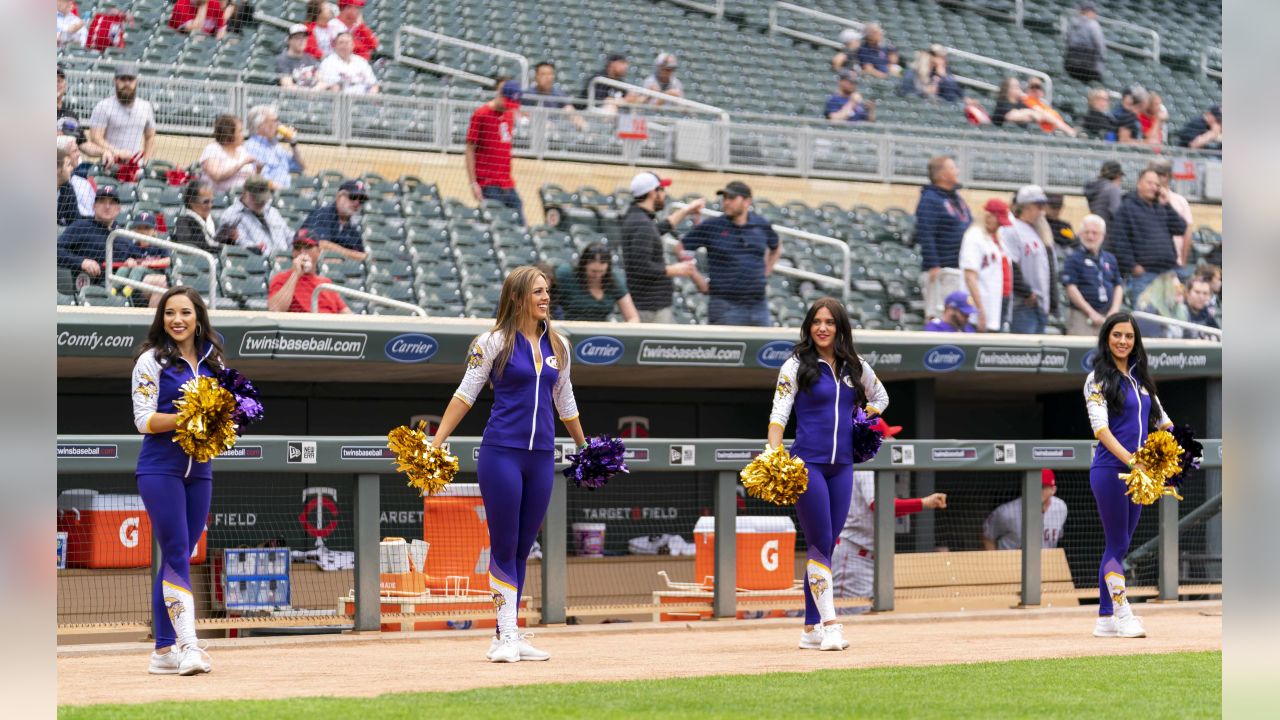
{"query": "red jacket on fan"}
(107, 30)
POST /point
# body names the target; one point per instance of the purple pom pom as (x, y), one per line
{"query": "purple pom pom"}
(1192, 453)
(866, 439)
(249, 408)
(596, 461)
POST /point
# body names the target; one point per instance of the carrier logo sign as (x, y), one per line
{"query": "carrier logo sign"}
(736, 455)
(411, 348)
(966, 453)
(88, 451)
(242, 452)
(1053, 453)
(300, 452)
(692, 352)
(303, 344)
(1086, 363)
(774, 354)
(365, 452)
(944, 358)
(599, 350)
(1010, 359)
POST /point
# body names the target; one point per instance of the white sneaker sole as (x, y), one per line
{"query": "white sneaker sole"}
(1105, 634)
(162, 671)
(534, 658)
(498, 659)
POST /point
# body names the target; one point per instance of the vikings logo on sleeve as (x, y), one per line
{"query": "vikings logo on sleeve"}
(146, 386)
(784, 387)
(475, 357)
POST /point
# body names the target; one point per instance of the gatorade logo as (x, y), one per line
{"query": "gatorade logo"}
(769, 555)
(129, 532)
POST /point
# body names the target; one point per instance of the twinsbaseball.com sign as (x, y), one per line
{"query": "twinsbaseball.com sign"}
(303, 344)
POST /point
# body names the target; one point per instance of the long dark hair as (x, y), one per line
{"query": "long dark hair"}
(595, 252)
(847, 360)
(166, 350)
(1112, 381)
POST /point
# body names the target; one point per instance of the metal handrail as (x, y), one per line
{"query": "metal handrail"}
(134, 237)
(1174, 322)
(993, 62)
(400, 56)
(269, 19)
(1153, 53)
(1019, 9)
(678, 101)
(715, 9)
(1204, 61)
(775, 27)
(846, 257)
(361, 295)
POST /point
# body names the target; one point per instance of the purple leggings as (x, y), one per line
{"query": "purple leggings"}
(178, 509)
(516, 487)
(1119, 519)
(822, 510)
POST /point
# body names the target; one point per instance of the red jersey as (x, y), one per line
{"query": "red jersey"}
(362, 37)
(106, 30)
(491, 133)
(184, 11)
(301, 302)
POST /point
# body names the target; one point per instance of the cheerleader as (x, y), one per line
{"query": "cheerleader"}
(1120, 397)
(828, 385)
(180, 345)
(527, 363)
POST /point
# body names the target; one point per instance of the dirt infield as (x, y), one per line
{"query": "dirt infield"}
(366, 666)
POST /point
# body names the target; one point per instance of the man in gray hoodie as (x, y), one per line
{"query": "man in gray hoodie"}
(1104, 192)
(1086, 52)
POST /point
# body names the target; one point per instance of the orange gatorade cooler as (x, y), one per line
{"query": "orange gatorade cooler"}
(766, 547)
(454, 524)
(109, 530)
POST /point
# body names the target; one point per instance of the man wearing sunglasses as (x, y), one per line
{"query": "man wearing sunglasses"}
(337, 225)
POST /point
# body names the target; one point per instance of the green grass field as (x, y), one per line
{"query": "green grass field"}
(1183, 685)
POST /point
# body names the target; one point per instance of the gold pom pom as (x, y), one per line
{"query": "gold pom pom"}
(205, 428)
(776, 476)
(429, 468)
(1159, 459)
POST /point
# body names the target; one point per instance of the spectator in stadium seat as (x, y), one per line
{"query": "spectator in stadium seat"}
(1140, 233)
(194, 225)
(941, 220)
(1164, 296)
(1030, 248)
(1181, 243)
(846, 104)
(350, 19)
(1086, 48)
(225, 162)
(344, 71)
(294, 67)
(123, 126)
(1104, 192)
(609, 99)
(1212, 274)
(1128, 126)
(546, 93)
(278, 159)
(253, 222)
(1092, 279)
(593, 289)
(875, 56)
(1151, 118)
(152, 262)
(71, 29)
(929, 77)
(69, 123)
(663, 79)
(75, 194)
(1002, 530)
(488, 153)
(956, 311)
(106, 29)
(82, 247)
(987, 274)
(290, 290)
(643, 259)
(206, 16)
(1064, 238)
(847, 56)
(1200, 308)
(336, 226)
(1099, 123)
(319, 36)
(1050, 120)
(742, 249)
(1204, 132)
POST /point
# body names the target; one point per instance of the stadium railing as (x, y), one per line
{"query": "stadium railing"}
(958, 54)
(402, 55)
(778, 25)
(1181, 324)
(1211, 62)
(362, 295)
(1151, 51)
(330, 456)
(714, 8)
(1014, 10)
(110, 278)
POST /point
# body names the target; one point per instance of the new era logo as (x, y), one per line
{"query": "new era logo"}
(301, 451)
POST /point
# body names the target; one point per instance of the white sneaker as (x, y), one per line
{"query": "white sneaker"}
(1130, 627)
(165, 664)
(811, 640)
(528, 651)
(1105, 627)
(507, 651)
(195, 660)
(833, 637)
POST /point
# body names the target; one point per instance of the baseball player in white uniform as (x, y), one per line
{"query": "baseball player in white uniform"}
(1002, 529)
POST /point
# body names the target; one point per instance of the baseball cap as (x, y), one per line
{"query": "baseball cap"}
(736, 188)
(355, 188)
(848, 75)
(297, 29)
(1047, 478)
(258, 186)
(1111, 170)
(344, 3)
(848, 35)
(511, 90)
(1030, 194)
(106, 191)
(143, 219)
(646, 182)
(303, 239)
(1000, 209)
(126, 69)
(68, 126)
(960, 301)
(665, 60)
